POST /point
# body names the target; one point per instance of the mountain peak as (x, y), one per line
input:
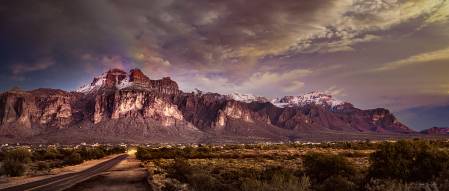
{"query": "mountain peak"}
(16, 89)
(116, 71)
(117, 79)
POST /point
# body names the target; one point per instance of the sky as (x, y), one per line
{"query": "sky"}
(390, 54)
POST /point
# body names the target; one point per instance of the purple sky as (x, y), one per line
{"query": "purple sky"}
(380, 53)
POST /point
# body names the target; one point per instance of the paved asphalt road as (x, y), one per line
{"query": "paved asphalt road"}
(62, 181)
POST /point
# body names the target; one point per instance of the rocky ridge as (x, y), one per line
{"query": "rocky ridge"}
(130, 106)
(315, 97)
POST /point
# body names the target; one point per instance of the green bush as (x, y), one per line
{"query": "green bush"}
(201, 181)
(320, 166)
(2, 155)
(12, 167)
(336, 183)
(42, 166)
(73, 159)
(50, 156)
(408, 161)
(180, 169)
(21, 155)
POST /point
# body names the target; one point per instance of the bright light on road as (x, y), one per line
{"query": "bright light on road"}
(131, 152)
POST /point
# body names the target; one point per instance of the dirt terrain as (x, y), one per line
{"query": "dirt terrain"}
(127, 175)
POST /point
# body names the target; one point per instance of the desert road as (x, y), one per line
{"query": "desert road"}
(62, 181)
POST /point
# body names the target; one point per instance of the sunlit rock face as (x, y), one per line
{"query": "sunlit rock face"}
(130, 103)
(235, 110)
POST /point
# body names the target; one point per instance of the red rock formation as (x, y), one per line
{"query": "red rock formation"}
(42, 106)
(131, 103)
(126, 103)
(436, 130)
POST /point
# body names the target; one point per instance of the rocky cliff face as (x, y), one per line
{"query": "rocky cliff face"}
(120, 104)
(366, 121)
(43, 106)
(131, 103)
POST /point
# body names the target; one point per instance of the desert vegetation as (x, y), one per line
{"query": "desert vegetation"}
(401, 165)
(20, 161)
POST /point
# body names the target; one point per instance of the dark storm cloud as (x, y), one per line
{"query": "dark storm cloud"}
(270, 48)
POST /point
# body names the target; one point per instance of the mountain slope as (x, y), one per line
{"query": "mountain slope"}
(130, 106)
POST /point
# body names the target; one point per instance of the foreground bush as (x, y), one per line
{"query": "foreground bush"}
(14, 163)
(409, 161)
(320, 166)
(11, 167)
(73, 159)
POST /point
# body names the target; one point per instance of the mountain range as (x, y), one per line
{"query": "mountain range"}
(121, 106)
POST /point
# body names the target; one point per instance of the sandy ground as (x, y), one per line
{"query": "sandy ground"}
(14, 181)
(127, 175)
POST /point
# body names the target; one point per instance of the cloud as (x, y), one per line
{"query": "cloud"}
(261, 83)
(336, 46)
(171, 38)
(292, 87)
(17, 78)
(442, 54)
(440, 16)
(40, 64)
(335, 92)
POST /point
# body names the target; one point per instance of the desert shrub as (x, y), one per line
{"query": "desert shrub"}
(12, 167)
(65, 152)
(180, 169)
(217, 170)
(275, 178)
(354, 154)
(146, 157)
(55, 164)
(50, 156)
(73, 159)
(336, 183)
(250, 184)
(42, 166)
(321, 166)
(2, 155)
(360, 154)
(98, 153)
(85, 154)
(201, 181)
(21, 155)
(204, 149)
(408, 161)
